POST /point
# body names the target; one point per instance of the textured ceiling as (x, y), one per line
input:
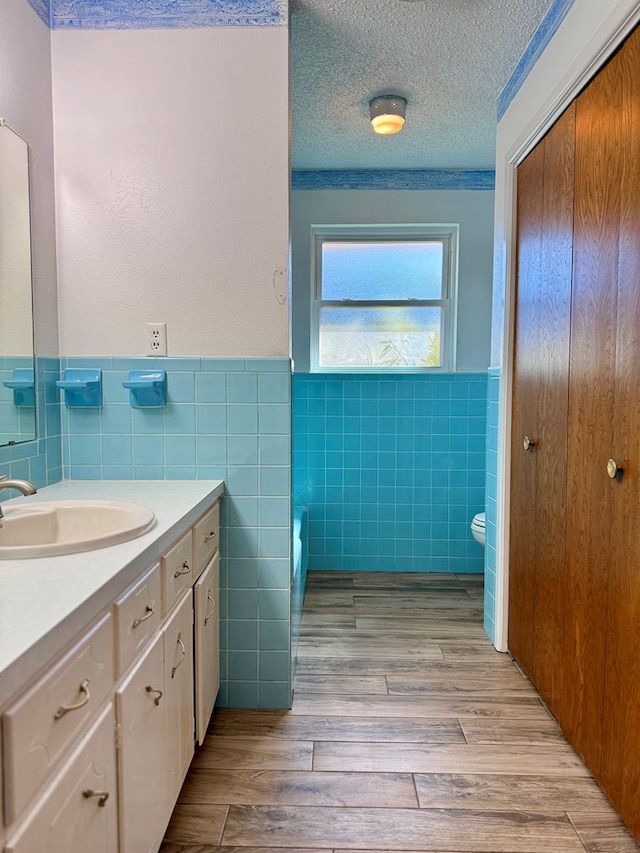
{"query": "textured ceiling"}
(449, 58)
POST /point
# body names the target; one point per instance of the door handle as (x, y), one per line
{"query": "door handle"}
(614, 470)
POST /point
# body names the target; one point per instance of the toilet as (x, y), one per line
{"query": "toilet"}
(477, 527)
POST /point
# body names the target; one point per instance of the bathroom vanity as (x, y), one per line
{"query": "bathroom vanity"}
(108, 658)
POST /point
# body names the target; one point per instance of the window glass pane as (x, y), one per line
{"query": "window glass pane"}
(380, 337)
(382, 271)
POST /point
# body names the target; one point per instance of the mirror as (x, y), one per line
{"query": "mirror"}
(17, 403)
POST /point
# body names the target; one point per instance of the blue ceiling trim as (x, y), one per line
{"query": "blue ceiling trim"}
(164, 14)
(394, 179)
(42, 9)
(541, 38)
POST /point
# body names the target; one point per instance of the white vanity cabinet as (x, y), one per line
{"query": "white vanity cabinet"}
(207, 643)
(143, 759)
(178, 680)
(96, 748)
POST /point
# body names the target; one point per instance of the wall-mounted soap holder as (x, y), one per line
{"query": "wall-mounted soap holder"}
(22, 385)
(147, 389)
(82, 387)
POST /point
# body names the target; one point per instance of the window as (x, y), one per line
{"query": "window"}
(383, 298)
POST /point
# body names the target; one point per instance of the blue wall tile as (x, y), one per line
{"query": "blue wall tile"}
(403, 456)
(210, 429)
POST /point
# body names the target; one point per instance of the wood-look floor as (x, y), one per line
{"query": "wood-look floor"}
(408, 732)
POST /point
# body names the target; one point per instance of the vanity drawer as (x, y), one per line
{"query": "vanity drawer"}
(207, 536)
(177, 571)
(48, 719)
(79, 810)
(138, 617)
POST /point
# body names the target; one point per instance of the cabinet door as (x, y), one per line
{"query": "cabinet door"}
(599, 134)
(540, 398)
(143, 769)
(178, 678)
(79, 811)
(207, 642)
(621, 753)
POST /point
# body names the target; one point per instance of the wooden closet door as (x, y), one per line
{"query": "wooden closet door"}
(621, 757)
(522, 545)
(536, 575)
(591, 399)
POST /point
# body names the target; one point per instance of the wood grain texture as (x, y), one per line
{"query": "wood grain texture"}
(602, 831)
(555, 760)
(253, 753)
(528, 707)
(389, 666)
(402, 829)
(334, 684)
(196, 824)
(291, 788)
(511, 805)
(621, 738)
(553, 302)
(319, 728)
(504, 683)
(497, 792)
(524, 418)
(591, 400)
(512, 731)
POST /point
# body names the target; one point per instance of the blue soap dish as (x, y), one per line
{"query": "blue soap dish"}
(147, 388)
(82, 387)
(22, 385)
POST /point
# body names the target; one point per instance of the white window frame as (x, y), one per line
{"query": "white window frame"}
(446, 233)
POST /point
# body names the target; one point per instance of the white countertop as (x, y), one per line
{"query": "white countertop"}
(46, 601)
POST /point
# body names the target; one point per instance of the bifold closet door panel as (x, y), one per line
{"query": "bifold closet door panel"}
(621, 759)
(552, 368)
(598, 155)
(522, 548)
(541, 371)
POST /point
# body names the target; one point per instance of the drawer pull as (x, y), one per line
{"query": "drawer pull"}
(148, 613)
(102, 796)
(159, 693)
(184, 571)
(174, 669)
(210, 536)
(64, 709)
(213, 605)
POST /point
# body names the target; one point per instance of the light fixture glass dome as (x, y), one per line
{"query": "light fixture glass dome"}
(387, 114)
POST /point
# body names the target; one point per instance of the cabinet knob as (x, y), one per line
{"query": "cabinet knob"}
(528, 443)
(613, 469)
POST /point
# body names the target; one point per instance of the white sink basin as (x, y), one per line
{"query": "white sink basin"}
(51, 528)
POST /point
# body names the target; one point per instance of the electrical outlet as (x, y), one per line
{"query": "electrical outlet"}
(156, 338)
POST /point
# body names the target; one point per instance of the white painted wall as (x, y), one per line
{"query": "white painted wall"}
(25, 104)
(588, 35)
(472, 209)
(172, 176)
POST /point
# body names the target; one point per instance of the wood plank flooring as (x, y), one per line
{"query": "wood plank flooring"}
(408, 732)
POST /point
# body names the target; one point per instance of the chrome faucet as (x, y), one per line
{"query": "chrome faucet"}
(23, 486)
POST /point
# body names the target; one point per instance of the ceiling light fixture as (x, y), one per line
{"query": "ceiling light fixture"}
(387, 114)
